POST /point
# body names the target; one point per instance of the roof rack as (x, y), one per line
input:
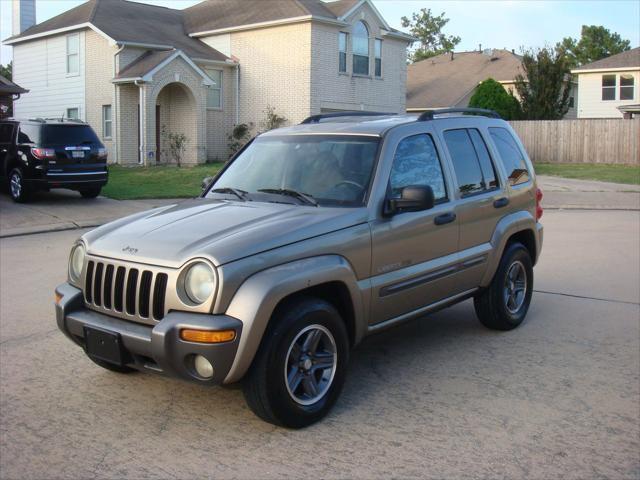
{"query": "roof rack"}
(430, 114)
(61, 119)
(355, 113)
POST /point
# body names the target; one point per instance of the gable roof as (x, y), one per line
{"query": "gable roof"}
(628, 59)
(151, 61)
(213, 15)
(7, 87)
(129, 22)
(442, 82)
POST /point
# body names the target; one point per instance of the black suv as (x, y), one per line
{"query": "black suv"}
(41, 154)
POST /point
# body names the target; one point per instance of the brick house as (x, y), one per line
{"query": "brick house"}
(136, 72)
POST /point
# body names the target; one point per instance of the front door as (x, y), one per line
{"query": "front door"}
(413, 253)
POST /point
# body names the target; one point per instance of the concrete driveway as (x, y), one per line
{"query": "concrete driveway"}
(440, 397)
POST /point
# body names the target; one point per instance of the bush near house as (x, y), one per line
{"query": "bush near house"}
(492, 95)
(132, 183)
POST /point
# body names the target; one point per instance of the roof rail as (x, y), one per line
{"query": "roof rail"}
(430, 114)
(63, 119)
(355, 113)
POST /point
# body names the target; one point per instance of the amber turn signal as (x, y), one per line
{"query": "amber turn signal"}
(58, 297)
(207, 336)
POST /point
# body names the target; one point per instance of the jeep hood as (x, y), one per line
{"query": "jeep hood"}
(221, 231)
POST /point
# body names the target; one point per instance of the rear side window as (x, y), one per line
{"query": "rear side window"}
(511, 155)
(416, 162)
(6, 130)
(69, 135)
(466, 162)
(29, 134)
(486, 165)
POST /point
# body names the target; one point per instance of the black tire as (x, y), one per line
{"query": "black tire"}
(19, 192)
(90, 192)
(111, 366)
(491, 304)
(265, 388)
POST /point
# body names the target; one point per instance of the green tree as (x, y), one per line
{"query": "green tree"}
(595, 42)
(6, 70)
(492, 95)
(544, 87)
(427, 28)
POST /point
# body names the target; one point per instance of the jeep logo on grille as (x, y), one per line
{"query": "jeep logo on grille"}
(130, 250)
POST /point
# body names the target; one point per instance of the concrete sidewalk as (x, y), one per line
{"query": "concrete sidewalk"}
(568, 193)
(65, 210)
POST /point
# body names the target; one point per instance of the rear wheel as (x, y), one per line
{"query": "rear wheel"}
(90, 192)
(300, 368)
(17, 189)
(504, 304)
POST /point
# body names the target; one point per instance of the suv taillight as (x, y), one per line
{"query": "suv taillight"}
(43, 153)
(102, 153)
(539, 209)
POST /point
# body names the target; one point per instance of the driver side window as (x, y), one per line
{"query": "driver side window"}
(416, 162)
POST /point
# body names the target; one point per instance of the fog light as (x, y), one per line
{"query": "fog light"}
(203, 367)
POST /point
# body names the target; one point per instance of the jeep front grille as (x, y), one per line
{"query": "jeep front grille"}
(126, 291)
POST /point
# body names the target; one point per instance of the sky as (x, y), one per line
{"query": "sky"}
(511, 24)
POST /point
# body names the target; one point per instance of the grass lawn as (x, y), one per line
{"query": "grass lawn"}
(629, 174)
(131, 183)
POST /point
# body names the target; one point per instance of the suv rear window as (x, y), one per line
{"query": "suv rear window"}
(68, 135)
(512, 158)
(471, 162)
(29, 133)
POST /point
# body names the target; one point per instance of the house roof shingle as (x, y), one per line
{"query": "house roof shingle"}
(144, 63)
(126, 21)
(7, 87)
(442, 82)
(212, 15)
(630, 58)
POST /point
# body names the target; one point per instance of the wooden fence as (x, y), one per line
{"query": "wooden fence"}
(581, 141)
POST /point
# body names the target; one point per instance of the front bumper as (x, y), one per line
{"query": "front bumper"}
(156, 348)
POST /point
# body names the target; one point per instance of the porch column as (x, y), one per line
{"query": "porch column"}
(147, 102)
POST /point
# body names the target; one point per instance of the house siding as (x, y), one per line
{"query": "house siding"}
(99, 72)
(40, 67)
(331, 90)
(590, 103)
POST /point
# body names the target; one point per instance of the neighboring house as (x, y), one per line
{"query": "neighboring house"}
(137, 72)
(9, 92)
(450, 79)
(609, 87)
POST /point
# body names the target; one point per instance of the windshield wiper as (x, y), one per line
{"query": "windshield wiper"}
(241, 194)
(305, 198)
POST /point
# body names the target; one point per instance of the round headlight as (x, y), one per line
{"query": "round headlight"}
(199, 282)
(76, 262)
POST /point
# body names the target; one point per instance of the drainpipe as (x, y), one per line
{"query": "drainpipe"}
(114, 115)
(139, 83)
(237, 94)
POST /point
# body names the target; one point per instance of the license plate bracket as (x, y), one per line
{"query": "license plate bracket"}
(105, 345)
(77, 154)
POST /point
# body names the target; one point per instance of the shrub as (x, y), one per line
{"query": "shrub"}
(238, 137)
(492, 95)
(273, 120)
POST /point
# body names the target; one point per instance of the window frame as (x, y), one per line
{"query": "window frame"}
(453, 164)
(342, 35)
(355, 55)
(523, 154)
(377, 58)
(219, 88)
(106, 121)
(443, 171)
(66, 112)
(613, 87)
(68, 55)
(632, 87)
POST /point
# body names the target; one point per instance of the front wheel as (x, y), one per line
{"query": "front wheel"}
(504, 304)
(301, 365)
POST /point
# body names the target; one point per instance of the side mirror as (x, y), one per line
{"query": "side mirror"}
(414, 198)
(206, 181)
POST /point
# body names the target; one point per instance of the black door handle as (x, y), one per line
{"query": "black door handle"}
(444, 218)
(501, 202)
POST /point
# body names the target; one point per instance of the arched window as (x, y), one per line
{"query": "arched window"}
(360, 49)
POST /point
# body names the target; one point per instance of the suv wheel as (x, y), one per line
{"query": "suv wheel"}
(301, 365)
(504, 305)
(17, 189)
(90, 192)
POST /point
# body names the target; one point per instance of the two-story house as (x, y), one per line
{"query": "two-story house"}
(138, 72)
(609, 87)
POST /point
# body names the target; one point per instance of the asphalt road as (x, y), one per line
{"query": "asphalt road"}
(440, 397)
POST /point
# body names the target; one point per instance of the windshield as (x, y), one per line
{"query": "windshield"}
(333, 170)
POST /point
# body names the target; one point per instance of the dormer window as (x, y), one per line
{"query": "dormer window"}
(360, 49)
